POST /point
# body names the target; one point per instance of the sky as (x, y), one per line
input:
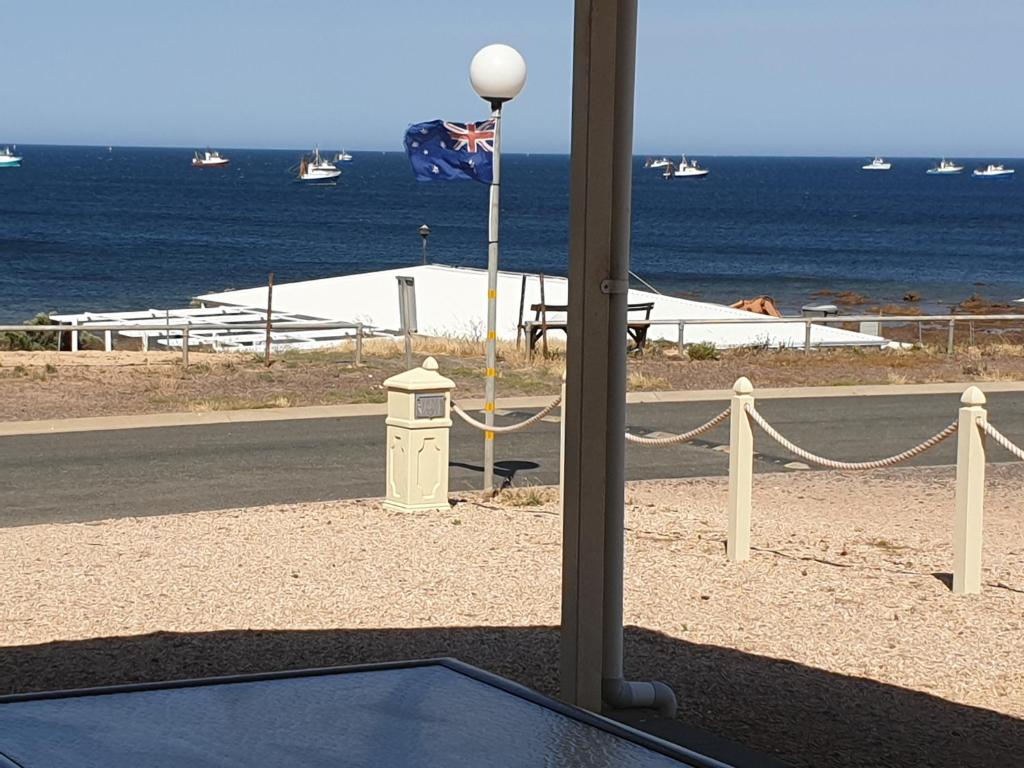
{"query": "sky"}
(725, 77)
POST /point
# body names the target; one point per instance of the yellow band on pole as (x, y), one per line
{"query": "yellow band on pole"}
(488, 406)
(492, 335)
(488, 435)
(492, 372)
(492, 294)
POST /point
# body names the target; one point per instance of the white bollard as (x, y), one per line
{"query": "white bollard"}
(741, 469)
(970, 493)
(419, 422)
(108, 341)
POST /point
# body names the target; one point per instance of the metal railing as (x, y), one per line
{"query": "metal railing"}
(810, 321)
(190, 334)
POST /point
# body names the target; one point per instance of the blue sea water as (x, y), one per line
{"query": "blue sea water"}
(84, 229)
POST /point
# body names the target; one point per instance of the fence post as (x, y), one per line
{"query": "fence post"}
(741, 468)
(807, 336)
(108, 341)
(949, 341)
(74, 336)
(682, 344)
(184, 347)
(970, 494)
(359, 343)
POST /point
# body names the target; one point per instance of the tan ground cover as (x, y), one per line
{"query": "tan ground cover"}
(839, 643)
(45, 385)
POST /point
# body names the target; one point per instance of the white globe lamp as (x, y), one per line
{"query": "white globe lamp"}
(497, 73)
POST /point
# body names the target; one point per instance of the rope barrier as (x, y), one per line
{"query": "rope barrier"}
(511, 427)
(1002, 439)
(686, 436)
(889, 461)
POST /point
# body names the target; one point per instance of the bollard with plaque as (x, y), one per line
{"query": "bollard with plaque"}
(418, 424)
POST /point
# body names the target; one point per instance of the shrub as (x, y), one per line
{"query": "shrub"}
(706, 350)
(21, 341)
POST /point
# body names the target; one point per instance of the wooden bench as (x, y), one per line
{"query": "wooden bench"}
(536, 329)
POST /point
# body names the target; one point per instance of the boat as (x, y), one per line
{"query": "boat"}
(661, 162)
(945, 168)
(993, 171)
(878, 164)
(343, 157)
(316, 168)
(211, 158)
(690, 169)
(8, 159)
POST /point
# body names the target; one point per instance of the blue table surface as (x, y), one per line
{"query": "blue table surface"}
(425, 716)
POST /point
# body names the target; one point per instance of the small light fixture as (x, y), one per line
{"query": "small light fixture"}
(497, 73)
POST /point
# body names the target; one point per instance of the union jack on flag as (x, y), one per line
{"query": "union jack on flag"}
(440, 150)
(473, 137)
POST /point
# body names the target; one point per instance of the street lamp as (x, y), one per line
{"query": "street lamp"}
(424, 233)
(497, 73)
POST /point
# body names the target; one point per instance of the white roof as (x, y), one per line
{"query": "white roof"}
(452, 301)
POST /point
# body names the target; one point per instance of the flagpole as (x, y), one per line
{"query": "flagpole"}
(497, 73)
(492, 301)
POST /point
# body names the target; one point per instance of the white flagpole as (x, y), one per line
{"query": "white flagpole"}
(492, 301)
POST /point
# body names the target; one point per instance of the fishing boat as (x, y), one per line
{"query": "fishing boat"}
(316, 168)
(690, 169)
(661, 162)
(993, 171)
(878, 164)
(343, 157)
(211, 158)
(8, 159)
(945, 168)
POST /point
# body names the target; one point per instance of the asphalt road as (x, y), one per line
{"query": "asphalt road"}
(82, 476)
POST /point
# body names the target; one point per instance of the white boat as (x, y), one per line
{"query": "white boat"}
(661, 162)
(878, 164)
(8, 159)
(316, 168)
(993, 171)
(945, 168)
(211, 158)
(690, 169)
(343, 157)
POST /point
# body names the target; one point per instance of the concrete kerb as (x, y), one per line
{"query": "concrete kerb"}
(153, 420)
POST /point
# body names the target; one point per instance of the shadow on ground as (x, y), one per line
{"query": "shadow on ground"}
(802, 715)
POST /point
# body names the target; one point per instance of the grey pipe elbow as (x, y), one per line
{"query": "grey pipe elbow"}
(628, 694)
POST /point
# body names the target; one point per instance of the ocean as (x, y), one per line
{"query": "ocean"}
(84, 229)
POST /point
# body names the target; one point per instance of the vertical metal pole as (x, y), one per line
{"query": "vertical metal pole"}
(184, 347)
(359, 343)
(807, 336)
(492, 302)
(682, 342)
(424, 250)
(270, 305)
(604, 57)
(949, 340)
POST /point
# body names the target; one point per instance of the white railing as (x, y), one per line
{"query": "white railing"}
(190, 334)
(809, 322)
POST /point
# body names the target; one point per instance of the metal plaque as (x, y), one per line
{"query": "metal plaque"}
(429, 406)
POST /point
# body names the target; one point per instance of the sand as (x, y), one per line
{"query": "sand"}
(839, 643)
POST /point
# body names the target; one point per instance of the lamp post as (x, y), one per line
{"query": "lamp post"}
(424, 233)
(497, 73)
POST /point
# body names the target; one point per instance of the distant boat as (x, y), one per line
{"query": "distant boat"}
(945, 168)
(343, 157)
(878, 164)
(690, 169)
(209, 159)
(993, 171)
(8, 159)
(661, 162)
(316, 168)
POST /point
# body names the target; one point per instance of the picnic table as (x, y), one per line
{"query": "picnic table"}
(537, 329)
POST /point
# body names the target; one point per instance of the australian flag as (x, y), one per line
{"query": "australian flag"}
(442, 151)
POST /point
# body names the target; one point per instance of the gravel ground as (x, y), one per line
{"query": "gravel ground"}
(839, 643)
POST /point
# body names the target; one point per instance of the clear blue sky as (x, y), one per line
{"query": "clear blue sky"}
(902, 77)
